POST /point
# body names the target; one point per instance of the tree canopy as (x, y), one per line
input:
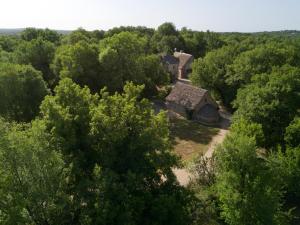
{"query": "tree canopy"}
(80, 63)
(122, 58)
(249, 188)
(122, 136)
(31, 33)
(271, 100)
(22, 89)
(33, 176)
(38, 53)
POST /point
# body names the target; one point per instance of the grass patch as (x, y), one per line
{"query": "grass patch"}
(190, 138)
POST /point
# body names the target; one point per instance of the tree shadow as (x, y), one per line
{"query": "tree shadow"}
(191, 131)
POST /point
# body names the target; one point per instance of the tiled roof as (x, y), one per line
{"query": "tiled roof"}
(184, 58)
(170, 59)
(186, 95)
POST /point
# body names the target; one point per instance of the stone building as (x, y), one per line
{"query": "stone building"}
(185, 64)
(179, 65)
(193, 103)
(171, 64)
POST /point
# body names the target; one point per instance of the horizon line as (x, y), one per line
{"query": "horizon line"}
(70, 30)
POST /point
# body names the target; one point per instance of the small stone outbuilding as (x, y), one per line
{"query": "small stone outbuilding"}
(193, 103)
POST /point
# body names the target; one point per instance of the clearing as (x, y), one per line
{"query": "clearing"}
(190, 138)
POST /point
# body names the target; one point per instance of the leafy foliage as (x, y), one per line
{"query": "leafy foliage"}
(32, 176)
(22, 89)
(38, 53)
(272, 101)
(195, 42)
(210, 72)
(292, 133)
(80, 63)
(122, 135)
(248, 186)
(249, 129)
(30, 34)
(122, 58)
(166, 39)
(119, 59)
(83, 35)
(260, 60)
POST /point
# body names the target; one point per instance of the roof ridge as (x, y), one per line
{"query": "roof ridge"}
(191, 85)
(186, 94)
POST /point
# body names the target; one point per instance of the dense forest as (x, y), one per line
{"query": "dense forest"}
(80, 142)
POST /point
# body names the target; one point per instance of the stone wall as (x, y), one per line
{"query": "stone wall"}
(207, 114)
(176, 108)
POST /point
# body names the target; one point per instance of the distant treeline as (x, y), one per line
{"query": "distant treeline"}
(11, 31)
(17, 31)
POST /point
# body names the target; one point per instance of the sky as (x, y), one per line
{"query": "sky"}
(214, 15)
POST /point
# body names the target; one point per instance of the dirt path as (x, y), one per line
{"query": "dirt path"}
(183, 175)
(218, 139)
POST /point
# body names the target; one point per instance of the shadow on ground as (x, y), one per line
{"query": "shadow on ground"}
(190, 138)
(191, 131)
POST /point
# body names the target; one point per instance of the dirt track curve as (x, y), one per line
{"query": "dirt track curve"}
(183, 175)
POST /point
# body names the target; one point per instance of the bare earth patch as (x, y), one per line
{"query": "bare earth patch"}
(190, 138)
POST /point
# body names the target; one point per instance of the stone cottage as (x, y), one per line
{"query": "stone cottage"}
(179, 65)
(185, 64)
(171, 64)
(193, 103)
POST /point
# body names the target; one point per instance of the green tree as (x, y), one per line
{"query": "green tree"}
(83, 35)
(38, 53)
(122, 136)
(140, 30)
(67, 116)
(118, 58)
(213, 41)
(22, 89)
(135, 156)
(289, 162)
(210, 72)
(80, 63)
(33, 177)
(249, 188)
(6, 57)
(249, 129)
(271, 100)
(292, 133)
(259, 60)
(206, 210)
(45, 34)
(195, 43)
(167, 29)
(155, 74)
(8, 43)
(166, 38)
(123, 58)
